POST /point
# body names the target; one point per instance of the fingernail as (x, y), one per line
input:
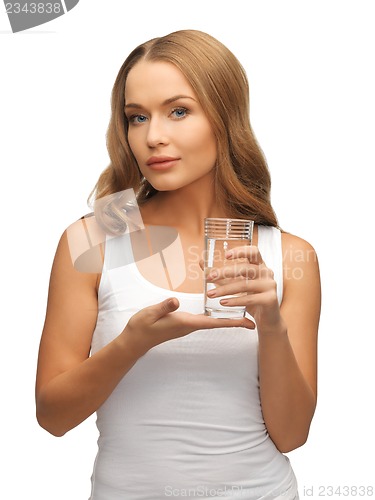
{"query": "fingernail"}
(213, 275)
(229, 254)
(211, 293)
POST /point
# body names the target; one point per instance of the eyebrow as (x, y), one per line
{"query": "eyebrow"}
(167, 101)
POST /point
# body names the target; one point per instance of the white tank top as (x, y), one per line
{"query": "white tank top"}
(186, 420)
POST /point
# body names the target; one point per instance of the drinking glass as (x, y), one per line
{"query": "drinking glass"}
(222, 235)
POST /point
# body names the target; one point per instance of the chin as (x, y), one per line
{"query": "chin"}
(167, 186)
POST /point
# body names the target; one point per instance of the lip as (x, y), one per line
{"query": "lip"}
(161, 162)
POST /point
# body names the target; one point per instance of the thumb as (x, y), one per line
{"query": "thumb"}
(165, 307)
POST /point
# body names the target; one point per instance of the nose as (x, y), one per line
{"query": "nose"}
(156, 133)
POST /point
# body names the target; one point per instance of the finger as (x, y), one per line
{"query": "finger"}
(245, 270)
(250, 252)
(208, 323)
(240, 286)
(164, 308)
(249, 301)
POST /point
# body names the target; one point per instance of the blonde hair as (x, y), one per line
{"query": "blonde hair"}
(242, 179)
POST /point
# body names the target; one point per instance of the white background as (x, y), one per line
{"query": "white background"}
(310, 66)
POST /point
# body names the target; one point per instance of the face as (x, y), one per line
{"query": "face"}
(169, 134)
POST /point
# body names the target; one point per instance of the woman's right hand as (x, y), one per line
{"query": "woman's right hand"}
(71, 384)
(159, 323)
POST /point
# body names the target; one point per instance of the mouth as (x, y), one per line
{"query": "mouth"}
(161, 162)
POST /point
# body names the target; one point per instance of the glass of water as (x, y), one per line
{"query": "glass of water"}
(222, 235)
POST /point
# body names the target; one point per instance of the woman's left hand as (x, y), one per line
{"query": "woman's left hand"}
(246, 274)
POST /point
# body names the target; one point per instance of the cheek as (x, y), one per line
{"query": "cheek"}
(203, 144)
(131, 143)
(208, 147)
(134, 143)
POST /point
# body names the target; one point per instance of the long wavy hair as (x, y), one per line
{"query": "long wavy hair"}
(242, 179)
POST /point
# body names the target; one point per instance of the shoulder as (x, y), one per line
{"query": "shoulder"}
(78, 259)
(295, 248)
(300, 262)
(84, 240)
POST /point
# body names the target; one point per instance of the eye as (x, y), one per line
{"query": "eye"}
(137, 119)
(179, 113)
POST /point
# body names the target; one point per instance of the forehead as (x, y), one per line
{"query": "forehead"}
(157, 80)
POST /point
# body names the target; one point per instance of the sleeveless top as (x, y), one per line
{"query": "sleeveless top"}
(186, 420)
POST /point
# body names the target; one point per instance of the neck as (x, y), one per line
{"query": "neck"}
(185, 207)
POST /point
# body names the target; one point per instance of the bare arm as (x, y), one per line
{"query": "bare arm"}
(70, 384)
(288, 353)
(287, 334)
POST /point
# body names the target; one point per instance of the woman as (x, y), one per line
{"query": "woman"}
(187, 405)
